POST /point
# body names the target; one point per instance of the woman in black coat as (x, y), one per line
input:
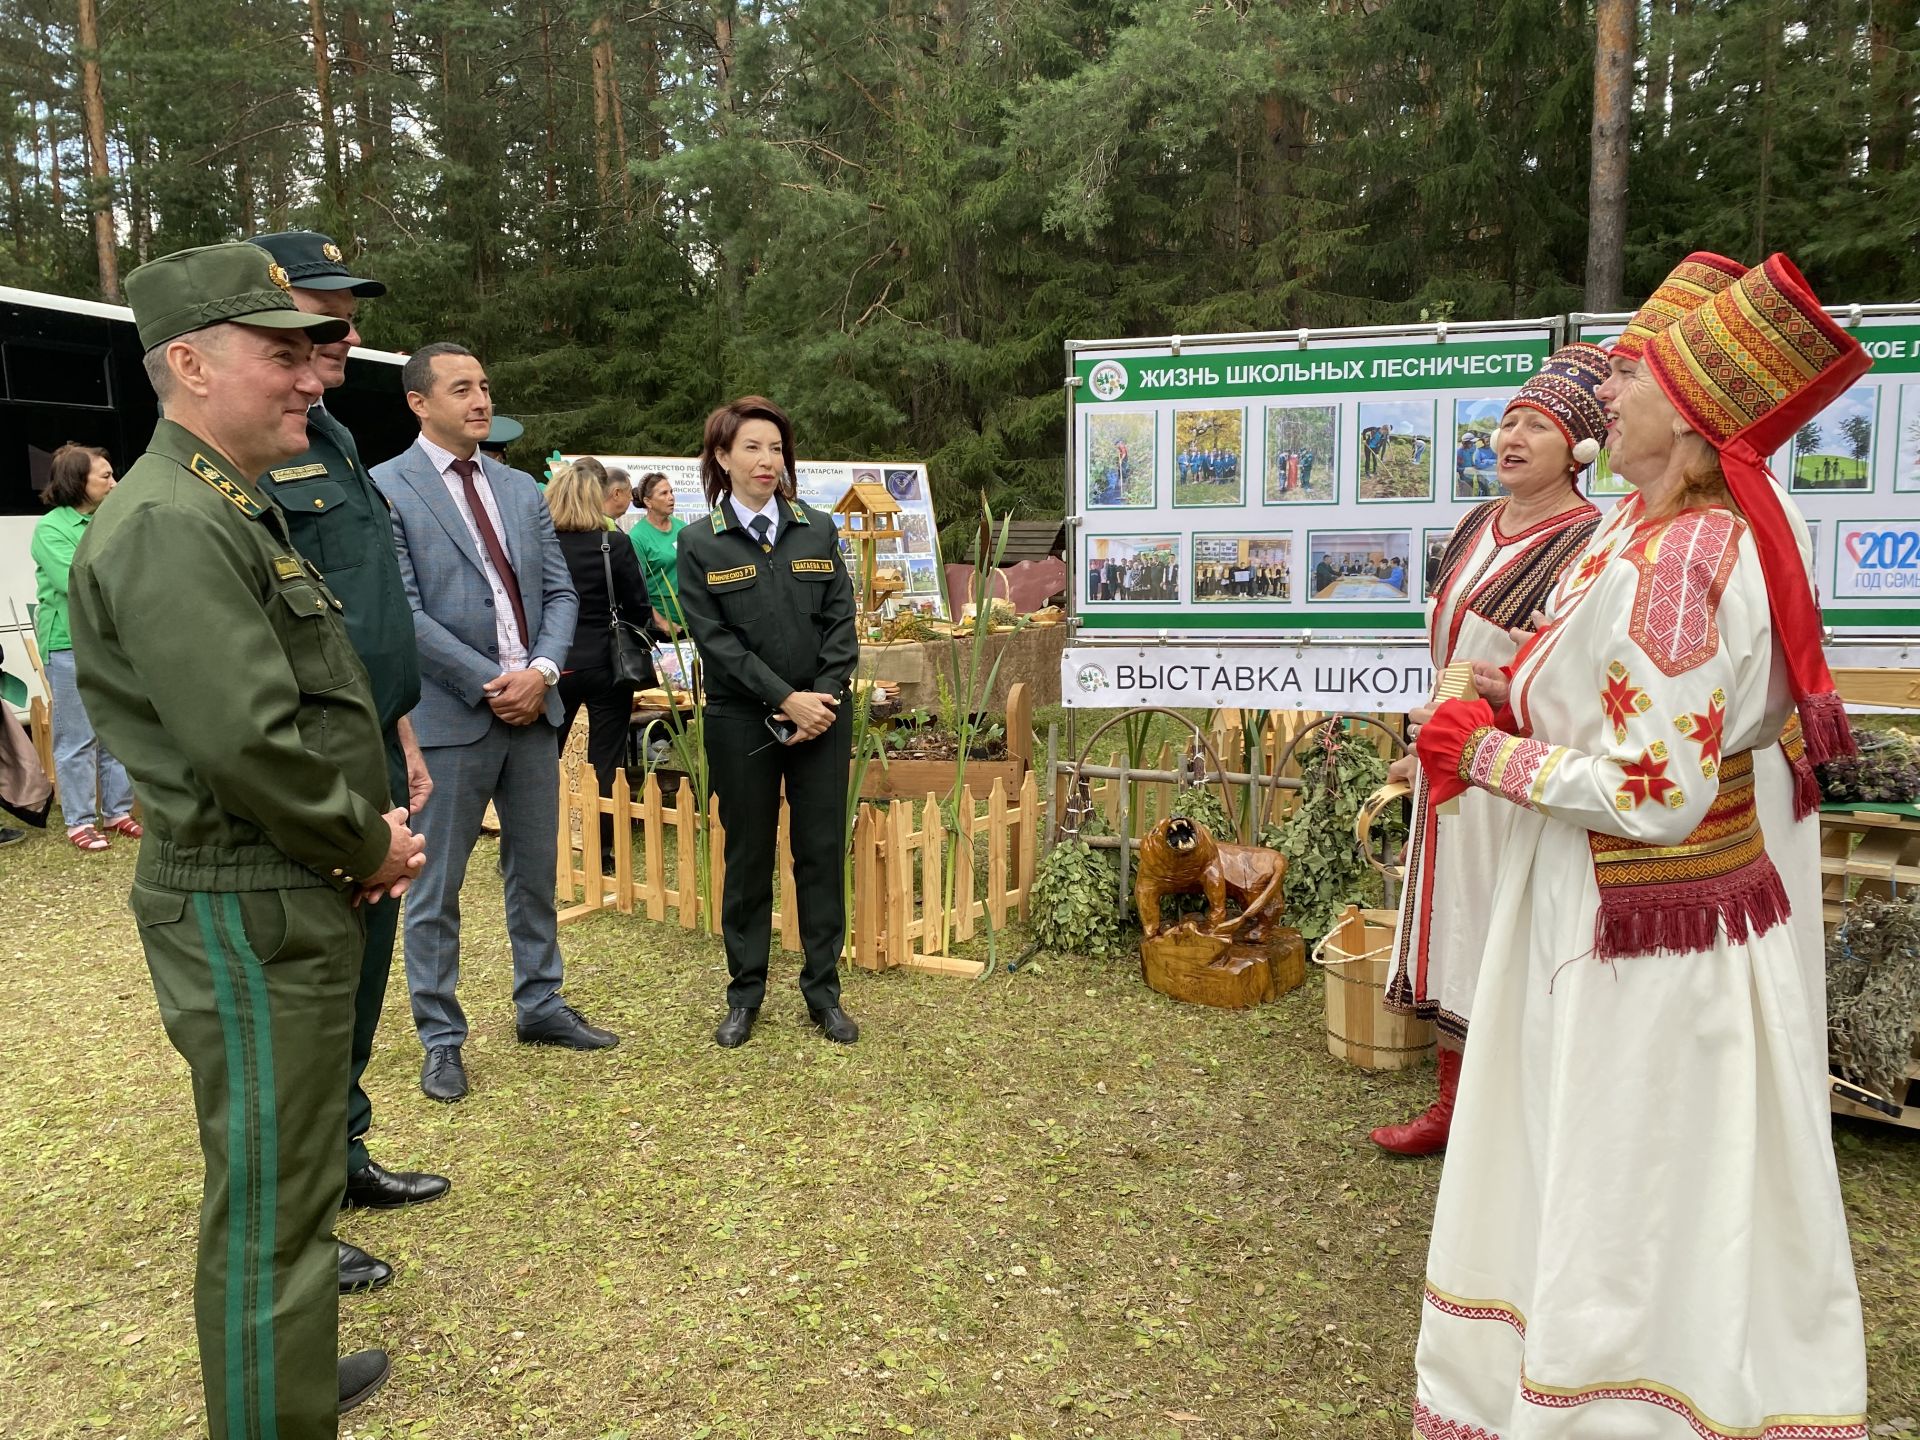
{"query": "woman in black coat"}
(591, 546)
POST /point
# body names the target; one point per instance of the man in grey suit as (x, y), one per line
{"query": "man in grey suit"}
(493, 612)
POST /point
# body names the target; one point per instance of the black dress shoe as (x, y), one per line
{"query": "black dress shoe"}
(735, 1029)
(377, 1189)
(361, 1271)
(443, 1077)
(361, 1374)
(567, 1028)
(836, 1024)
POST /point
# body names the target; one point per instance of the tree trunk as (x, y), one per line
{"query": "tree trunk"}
(1659, 66)
(54, 181)
(243, 194)
(94, 106)
(1768, 73)
(360, 66)
(1607, 174)
(1890, 127)
(16, 207)
(323, 96)
(551, 190)
(603, 109)
(625, 181)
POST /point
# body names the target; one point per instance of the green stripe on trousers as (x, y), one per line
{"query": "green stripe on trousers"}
(253, 1146)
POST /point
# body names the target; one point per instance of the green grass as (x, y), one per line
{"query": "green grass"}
(1849, 474)
(1053, 1204)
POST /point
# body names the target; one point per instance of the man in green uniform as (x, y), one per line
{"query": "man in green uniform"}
(339, 522)
(213, 661)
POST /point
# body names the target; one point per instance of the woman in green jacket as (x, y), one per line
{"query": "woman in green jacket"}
(91, 781)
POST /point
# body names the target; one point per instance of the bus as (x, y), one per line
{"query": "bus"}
(70, 371)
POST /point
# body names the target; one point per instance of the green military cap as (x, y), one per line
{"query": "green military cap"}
(191, 289)
(503, 432)
(313, 262)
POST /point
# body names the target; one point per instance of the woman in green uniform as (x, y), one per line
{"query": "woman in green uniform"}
(656, 536)
(770, 609)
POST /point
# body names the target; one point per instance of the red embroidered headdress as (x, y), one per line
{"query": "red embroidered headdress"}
(1746, 370)
(1694, 281)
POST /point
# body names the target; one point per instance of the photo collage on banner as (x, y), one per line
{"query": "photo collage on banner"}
(1253, 485)
(1307, 484)
(914, 556)
(1853, 471)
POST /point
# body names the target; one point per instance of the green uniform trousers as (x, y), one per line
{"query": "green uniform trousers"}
(382, 922)
(256, 992)
(747, 769)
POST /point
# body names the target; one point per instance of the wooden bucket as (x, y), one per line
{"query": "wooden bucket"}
(1357, 955)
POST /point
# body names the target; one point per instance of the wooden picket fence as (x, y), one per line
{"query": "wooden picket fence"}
(1147, 801)
(902, 858)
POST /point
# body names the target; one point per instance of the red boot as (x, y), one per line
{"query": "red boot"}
(1427, 1135)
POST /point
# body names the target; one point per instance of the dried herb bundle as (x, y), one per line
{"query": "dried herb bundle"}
(1873, 993)
(1886, 771)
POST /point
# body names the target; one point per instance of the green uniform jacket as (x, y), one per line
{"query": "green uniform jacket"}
(768, 624)
(214, 665)
(342, 523)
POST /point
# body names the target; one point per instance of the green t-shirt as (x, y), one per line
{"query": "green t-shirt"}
(659, 560)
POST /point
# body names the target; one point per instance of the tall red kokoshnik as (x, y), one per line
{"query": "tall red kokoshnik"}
(1747, 369)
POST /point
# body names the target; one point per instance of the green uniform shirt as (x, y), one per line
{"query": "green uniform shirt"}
(768, 623)
(214, 665)
(55, 538)
(659, 560)
(342, 523)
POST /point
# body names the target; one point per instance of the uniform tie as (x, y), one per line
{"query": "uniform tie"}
(762, 529)
(490, 542)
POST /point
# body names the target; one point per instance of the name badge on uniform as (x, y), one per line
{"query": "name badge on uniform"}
(298, 472)
(813, 567)
(286, 567)
(727, 577)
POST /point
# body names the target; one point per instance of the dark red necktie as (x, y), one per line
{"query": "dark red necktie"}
(490, 538)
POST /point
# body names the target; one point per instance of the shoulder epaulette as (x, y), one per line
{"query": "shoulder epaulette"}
(206, 470)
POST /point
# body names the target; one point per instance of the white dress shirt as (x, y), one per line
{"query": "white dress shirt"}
(513, 651)
(746, 517)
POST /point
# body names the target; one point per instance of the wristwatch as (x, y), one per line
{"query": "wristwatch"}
(548, 670)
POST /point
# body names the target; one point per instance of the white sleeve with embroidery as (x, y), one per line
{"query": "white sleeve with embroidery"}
(1658, 647)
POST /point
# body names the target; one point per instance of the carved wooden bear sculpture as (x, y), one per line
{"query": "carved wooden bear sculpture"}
(1181, 857)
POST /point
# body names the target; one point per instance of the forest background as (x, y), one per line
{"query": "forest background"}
(890, 215)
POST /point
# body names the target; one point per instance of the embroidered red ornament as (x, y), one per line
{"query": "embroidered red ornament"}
(1646, 779)
(1706, 731)
(1590, 568)
(1622, 699)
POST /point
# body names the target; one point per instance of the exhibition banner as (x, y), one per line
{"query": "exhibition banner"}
(1262, 487)
(1362, 678)
(1265, 485)
(823, 485)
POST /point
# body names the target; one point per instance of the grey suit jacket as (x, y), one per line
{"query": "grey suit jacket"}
(453, 617)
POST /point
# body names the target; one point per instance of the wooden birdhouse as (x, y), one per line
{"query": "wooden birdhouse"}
(866, 515)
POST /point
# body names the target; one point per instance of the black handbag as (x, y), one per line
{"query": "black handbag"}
(632, 650)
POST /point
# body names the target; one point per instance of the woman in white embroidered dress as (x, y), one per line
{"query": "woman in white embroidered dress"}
(1500, 563)
(1640, 1231)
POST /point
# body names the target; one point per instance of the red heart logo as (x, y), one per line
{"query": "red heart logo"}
(1853, 548)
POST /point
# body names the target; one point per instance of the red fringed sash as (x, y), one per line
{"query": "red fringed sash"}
(1677, 898)
(1806, 785)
